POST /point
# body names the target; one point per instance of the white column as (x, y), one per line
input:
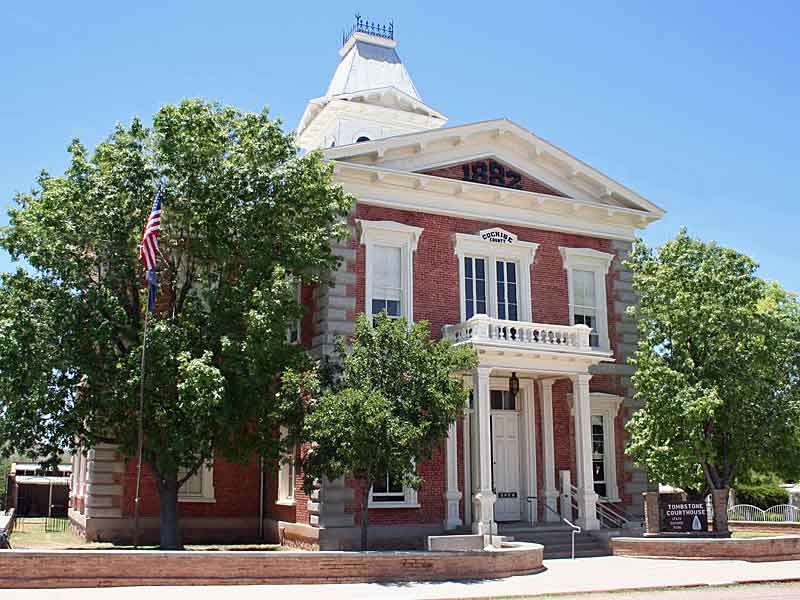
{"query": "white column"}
(82, 473)
(548, 448)
(531, 509)
(566, 494)
(484, 497)
(452, 496)
(467, 428)
(587, 499)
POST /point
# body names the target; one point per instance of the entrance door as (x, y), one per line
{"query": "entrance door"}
(505, 467)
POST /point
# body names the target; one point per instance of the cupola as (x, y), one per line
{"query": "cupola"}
(370, 96)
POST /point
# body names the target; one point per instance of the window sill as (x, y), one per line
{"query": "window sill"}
(286, 502)
(610, 499)
(199, 499)
(394, 505)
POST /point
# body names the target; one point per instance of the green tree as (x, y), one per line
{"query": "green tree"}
(388, 409)
(245, 218)
(5, 467)
(717, 368)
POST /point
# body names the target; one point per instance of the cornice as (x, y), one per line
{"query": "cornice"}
(380, 186)
(570, 168)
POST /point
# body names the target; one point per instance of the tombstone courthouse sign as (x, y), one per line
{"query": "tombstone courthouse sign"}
(684, 517)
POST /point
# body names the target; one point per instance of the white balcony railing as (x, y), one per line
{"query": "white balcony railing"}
(482, 328)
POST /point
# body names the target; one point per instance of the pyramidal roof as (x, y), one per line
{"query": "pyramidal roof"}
(369, 62)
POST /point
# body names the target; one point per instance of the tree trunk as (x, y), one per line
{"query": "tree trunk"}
(719, 502)
(365, 515)
(167, 485)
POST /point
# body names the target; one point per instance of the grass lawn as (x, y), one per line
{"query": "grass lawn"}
(754, 534)
(29, 533)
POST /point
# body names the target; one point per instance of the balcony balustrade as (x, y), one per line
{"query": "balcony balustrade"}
(520, 334)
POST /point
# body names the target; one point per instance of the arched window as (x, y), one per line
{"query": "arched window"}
(363, 138)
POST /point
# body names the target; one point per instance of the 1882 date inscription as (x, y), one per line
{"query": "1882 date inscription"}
(491, 172)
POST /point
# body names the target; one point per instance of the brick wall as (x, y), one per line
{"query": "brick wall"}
(752, 549)
(436, 300)
(103, 568)
(235, 492)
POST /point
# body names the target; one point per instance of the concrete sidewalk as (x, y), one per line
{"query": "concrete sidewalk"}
(562, 576)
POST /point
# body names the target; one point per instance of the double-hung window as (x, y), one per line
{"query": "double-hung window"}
(586, 279)
(286, 473)
(389, 250)
(387, 286)
(475, 285)
(495, 275)
(584, 307)
(389, 492)
(388, 489)
(507, 299)
(200, 485)
(293, 330)
(599, 457)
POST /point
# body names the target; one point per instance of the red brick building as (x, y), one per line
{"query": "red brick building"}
(498, 239)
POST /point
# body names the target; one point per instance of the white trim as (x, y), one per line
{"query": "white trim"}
(297, 322)
(466, 200)
(410, 500)
(452, 495)
(537, 148)
(467, 429)
(206, 474)
(479, 246)
(594, 261)
(397, 235)
(607, 406)
(528, 451)
(286, 475)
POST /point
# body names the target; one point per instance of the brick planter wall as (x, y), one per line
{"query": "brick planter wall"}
(752, 549)
(764, 526)
(104, 568)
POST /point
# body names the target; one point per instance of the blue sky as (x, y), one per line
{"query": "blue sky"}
(692, 104)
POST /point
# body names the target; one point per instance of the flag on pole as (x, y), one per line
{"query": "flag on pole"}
(149, 247)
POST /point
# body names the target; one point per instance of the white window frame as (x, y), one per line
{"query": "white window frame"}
(395, 235)
(486, 267)
(594, 261)
(606, 406)
(298, 323)
(410, 500)
(286, 475)
(206, 474)
(511, 250)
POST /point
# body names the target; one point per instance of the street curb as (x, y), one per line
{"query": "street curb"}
(648, 588)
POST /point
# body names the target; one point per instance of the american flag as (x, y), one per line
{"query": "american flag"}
(149, 247)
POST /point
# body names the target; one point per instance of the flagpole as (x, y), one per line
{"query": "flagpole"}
(147, 253)
(140, 443)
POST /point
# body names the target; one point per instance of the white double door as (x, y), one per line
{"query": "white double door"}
(505, 465)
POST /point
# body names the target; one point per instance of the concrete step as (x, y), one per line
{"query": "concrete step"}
(558, 544)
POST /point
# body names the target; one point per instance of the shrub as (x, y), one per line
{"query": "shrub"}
(762, 495)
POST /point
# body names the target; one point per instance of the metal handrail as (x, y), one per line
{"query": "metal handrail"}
(603, 511)
(575, 528)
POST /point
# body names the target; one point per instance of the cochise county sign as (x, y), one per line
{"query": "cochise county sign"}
(497, 235)
(684, 517)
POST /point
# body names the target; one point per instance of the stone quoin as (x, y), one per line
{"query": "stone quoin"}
(499, 240)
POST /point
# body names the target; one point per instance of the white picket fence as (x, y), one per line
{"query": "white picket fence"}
(782, 513)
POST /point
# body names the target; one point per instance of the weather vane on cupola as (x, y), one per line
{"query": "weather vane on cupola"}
(370, 27)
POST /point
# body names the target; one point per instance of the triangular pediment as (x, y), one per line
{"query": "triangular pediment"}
(542, 167)
(492, 171)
